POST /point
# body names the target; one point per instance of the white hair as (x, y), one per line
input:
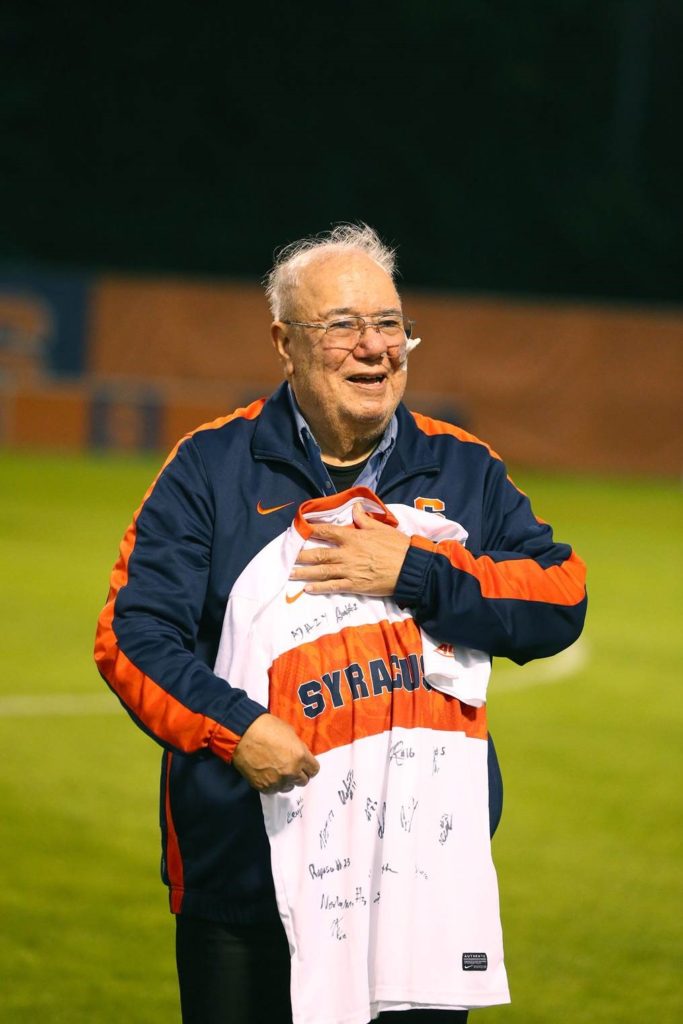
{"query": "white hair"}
(281, 282)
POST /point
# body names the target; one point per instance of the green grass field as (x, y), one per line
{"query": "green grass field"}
(588, 852)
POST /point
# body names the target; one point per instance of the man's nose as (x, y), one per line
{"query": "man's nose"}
(372, 340)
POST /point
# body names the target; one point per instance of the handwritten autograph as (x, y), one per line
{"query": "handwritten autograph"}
(408, 813)
(446, 825)
(296, 812)
(348, 609)
(325, 831)
(320, 870)
(306, 628)
(438, 753)
(348, 787)
(399, 753)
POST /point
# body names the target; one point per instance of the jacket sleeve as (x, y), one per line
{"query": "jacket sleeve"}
(147, 630)
(522, 596)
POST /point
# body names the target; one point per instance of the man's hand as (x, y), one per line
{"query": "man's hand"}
(367, 560)
(272, 758)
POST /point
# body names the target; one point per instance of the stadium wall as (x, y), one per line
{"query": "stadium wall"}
(130, 364)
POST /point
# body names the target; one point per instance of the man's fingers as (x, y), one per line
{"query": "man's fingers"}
(317, 556)
(364, 519)
(309, 770)
(290, 782)
(333, 534)
(332, 586)
(324, 571)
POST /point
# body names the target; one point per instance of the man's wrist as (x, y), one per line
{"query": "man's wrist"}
(224, 741)
(412, 578)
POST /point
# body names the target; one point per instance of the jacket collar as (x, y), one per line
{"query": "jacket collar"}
(276, 435)
(276, 438)
(412, 454)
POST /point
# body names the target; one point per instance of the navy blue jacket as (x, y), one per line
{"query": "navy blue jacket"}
(225, 491)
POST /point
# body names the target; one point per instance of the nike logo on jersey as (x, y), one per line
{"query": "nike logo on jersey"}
(290, 599)
(275, 508)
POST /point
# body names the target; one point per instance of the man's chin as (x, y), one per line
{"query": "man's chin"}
(369, 415)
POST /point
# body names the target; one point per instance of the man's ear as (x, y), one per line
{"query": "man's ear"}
(281, 343)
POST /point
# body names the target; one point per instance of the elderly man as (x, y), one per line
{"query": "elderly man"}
(500, 585)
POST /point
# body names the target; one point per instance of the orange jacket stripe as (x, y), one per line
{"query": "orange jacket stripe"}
(174, 860)
(433, 427)
(166, 717)
(520, 579)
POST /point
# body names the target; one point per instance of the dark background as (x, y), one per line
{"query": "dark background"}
(528, 147)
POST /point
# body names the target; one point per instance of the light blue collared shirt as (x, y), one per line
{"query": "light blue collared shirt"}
(371, 470)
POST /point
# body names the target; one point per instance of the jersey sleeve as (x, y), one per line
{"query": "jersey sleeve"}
(522, 596)
(147, 630)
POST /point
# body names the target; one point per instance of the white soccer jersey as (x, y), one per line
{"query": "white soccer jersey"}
(382, 864)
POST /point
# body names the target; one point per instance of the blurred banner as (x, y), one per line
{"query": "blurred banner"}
(43, 323)
(120, 363)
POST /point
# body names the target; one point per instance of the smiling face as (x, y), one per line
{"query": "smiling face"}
(348, 398)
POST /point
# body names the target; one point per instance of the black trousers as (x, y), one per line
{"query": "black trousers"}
(239, 974)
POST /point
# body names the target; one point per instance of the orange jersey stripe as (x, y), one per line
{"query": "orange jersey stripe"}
(370, 713)
(163, 714)
(520, 579)
(305, 528)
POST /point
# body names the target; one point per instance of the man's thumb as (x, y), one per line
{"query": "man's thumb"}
(362, 518)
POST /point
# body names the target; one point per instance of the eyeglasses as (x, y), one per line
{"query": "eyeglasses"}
(347, 331)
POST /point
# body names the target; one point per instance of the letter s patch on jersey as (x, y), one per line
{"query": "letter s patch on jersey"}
(435, 505)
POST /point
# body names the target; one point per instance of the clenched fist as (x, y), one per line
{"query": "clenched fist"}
(272, 758)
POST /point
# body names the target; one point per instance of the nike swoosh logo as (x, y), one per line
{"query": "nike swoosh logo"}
(275, 508)
(294, 597)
